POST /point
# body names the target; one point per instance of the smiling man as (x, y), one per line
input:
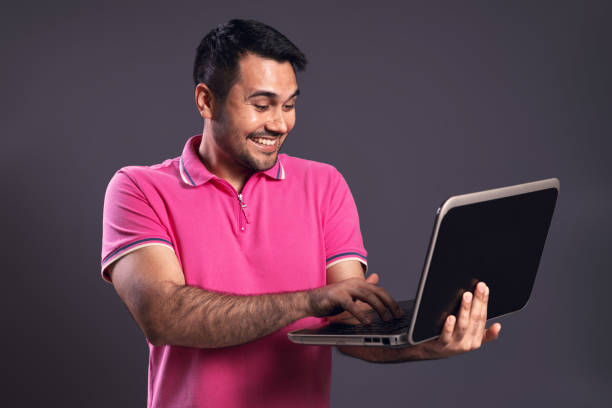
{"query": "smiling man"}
(220, 252)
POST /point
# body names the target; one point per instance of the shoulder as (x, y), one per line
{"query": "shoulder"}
(145, 176)
(144, 182)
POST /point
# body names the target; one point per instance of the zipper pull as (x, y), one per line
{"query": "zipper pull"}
(243, 206)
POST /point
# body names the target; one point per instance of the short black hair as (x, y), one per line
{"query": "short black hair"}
(219, 52)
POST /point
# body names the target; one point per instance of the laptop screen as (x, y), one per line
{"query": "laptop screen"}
(498, 241)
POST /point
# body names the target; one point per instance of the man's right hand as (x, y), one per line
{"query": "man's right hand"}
(151, 283)
(342, 296)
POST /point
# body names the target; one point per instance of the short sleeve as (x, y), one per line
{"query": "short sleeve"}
(343, 239)
(129, 221)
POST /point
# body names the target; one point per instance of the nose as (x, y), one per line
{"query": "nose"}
(277, 122)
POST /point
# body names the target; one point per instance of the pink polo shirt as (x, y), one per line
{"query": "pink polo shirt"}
(289, 224)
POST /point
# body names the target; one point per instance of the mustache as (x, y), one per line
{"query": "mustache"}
(265, 133)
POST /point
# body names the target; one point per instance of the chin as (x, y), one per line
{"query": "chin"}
(267, 165)
(260, 165)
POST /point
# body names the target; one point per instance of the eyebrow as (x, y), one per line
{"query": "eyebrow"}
(269, 94)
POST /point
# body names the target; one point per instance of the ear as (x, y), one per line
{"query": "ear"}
(204, 99)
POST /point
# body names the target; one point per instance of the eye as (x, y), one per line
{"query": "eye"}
(261, 107)
(289, 107)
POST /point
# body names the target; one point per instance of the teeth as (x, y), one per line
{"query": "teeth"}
(264, 141)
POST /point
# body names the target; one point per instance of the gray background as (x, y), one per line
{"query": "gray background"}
(412, 102)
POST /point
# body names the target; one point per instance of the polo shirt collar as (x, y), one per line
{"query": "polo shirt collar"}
(276, 172)
(194, 173)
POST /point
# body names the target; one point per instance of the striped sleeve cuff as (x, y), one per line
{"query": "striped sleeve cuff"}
(346, 256)
(131, 247)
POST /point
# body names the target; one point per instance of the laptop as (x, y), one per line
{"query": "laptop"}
(496, 236)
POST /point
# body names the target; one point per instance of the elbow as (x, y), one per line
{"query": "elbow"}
(155, 339)
(153, 323)
(154, 332)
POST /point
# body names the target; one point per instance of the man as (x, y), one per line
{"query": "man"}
(220, 252)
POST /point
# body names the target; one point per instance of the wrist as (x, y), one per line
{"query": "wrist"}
(302, 304)
(427, 351)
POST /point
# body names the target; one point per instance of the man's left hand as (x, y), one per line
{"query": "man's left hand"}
(461, 333)
(467, 331)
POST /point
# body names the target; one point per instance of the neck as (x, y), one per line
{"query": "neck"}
(220, 164)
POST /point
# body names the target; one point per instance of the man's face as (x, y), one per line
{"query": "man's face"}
(258, 114)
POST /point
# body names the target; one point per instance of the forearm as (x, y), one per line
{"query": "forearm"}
(192, 317)
(384, 354)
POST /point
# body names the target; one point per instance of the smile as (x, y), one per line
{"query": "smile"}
(265, 145)
(263, 141)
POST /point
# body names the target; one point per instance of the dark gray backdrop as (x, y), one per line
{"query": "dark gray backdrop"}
(412, 102)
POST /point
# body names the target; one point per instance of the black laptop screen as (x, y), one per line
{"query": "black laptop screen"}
(499, 242)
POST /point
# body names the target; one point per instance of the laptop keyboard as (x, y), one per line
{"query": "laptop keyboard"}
(379, 326)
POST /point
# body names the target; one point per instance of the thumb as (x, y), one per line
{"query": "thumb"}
(373, 279)
(492, 333)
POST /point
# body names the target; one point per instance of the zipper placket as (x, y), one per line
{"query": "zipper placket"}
(242, 220)
(243, 207)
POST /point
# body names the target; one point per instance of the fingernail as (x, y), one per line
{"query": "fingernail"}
(467, 296)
